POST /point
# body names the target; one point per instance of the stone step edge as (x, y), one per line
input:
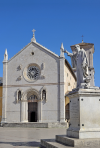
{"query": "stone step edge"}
(65, 140)
(74, 142)
(45, 144)
(36, 124)
(51, 143)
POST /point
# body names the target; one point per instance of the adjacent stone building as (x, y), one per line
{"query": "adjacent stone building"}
(35, 82)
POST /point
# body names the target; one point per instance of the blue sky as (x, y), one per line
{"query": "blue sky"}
(55, 21)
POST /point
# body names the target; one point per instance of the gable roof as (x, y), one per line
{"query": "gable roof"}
(82, 44)
(35, 43)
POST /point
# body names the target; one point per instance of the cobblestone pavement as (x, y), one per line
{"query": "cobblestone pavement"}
(26, 137)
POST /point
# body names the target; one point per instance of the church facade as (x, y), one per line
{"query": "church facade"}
(35, 82)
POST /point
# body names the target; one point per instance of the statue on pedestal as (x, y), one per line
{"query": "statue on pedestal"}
(80, 62)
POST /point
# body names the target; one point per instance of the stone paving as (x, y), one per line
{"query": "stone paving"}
(27, 137)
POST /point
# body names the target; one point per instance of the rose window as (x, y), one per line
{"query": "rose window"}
(33, 72)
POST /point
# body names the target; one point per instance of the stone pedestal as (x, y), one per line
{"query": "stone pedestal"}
(84, 114)
(84, 130)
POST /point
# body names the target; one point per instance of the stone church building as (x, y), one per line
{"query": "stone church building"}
(35, 83)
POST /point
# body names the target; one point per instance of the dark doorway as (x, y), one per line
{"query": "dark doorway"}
(67, 114)
(32, 111)
(32, 119)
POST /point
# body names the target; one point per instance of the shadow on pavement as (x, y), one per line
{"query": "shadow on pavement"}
(31, 144)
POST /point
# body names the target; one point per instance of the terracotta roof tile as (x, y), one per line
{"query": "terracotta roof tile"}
(83, 44)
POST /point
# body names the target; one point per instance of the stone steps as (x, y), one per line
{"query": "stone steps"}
(51, 143)
(26, 125)
(62, 141)
(36, 125)
(79, 143)
(66, 140)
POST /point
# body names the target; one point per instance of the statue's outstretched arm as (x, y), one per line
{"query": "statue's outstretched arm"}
(68, 53)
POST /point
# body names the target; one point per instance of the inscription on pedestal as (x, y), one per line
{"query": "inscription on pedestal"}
(74, 109)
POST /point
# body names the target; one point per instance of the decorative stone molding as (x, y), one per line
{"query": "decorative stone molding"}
(62, 51)
(32, 72)
(33, 39)
(30, 92)
(5, 56)
(42, 66)
(19, 67)
(44, 94)
(42, 71)
(17, 95)
(19, 78)
(42, 77)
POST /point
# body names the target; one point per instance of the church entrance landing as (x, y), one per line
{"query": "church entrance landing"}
(32, 111)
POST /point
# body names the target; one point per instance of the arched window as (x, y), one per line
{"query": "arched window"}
(19, 95)
(68, 84)
(44, 95)
(67, 114)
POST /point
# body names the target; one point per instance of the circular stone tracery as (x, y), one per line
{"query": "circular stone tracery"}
(33, 72)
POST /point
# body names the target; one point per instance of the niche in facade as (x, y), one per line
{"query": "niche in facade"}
(44, 95)
(19, 95)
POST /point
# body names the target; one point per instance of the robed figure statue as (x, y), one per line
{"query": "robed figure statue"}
(80, 62)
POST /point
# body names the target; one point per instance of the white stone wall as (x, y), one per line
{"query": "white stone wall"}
(40, 56)
(69, 80)
(49, 109)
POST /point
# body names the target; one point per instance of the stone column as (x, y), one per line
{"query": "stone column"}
(40, 111)
(24, 111)
(62, 97)
(4, 98)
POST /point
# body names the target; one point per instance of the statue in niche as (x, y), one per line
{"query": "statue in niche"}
(44, 94)
(80, 62)
(19, 95)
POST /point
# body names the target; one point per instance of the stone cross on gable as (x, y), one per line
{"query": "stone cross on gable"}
(33, 32)
(33, 39)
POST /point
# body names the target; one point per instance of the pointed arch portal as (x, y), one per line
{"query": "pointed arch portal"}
(31, 106)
